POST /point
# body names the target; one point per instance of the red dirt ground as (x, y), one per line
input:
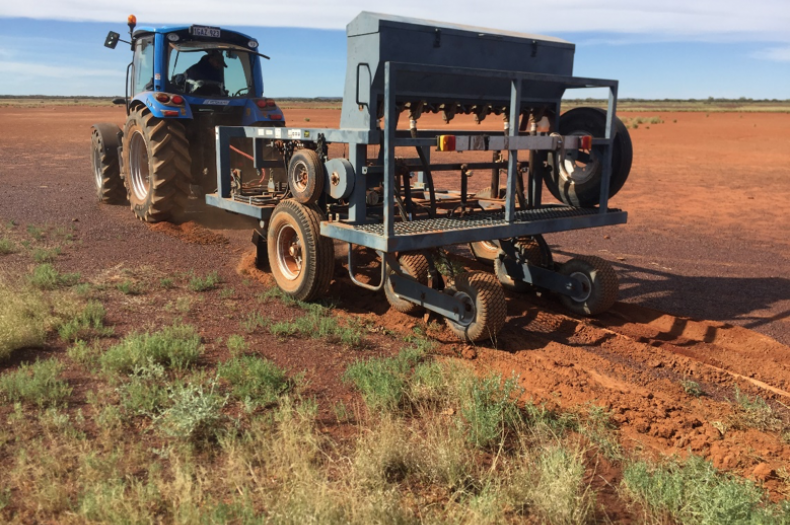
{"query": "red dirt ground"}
(704, 263)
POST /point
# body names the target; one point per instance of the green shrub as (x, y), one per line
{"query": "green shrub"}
(166, 283)
(37, 383)
(488, 408)
(7, 246)
(754, 412)
(46, 277)
(253, 321)
(23, 318)
(144, 393)
(254, 380)
(195, 414)
(383, 381)
(696, 493)
(204, 284)
(128, 288)
(237, 345)
(176, 346)
(85, 354)
(87, 322)
(41, 255)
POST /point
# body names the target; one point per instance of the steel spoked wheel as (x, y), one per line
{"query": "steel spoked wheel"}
(302, 262)
(413, 266)
(139, 166)
(484, 307)
(156, 166)
(104, 162)
(599, 285)
(306, 176)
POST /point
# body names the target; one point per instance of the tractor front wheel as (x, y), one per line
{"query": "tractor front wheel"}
(156, 166)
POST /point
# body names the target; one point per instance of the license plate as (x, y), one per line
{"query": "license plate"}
(212, 32)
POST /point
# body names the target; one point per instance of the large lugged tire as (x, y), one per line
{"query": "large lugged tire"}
(599, 282)
(306, 176)
(156, 166)
(415, 266)
(486, 307)
(104, 163)
(302, 262)
(579, 183)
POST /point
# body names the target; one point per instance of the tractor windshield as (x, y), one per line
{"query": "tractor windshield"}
(211, 70)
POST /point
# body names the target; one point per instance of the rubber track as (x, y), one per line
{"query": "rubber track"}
(490, 302)
(112, 190)
(416, 265)
(170, 168)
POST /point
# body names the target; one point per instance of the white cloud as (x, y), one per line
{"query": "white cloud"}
(775, 54)
(678, 19)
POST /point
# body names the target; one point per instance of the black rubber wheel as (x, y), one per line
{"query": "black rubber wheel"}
(599, 281)
(306, 176)
(484, 251)
(531, 252)
(578, 181)
(302, 262)
(486, 308)
(105, 166)
(415, 266)
(156, 166)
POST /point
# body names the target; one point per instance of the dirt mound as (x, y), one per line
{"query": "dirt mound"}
(189, 232)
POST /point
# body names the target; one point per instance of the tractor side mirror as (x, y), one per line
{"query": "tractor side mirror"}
(119, 101)
(112, 39)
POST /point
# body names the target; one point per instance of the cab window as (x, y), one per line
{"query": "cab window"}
(143, 65)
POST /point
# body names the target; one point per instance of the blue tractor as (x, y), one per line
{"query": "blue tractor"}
(181, 83)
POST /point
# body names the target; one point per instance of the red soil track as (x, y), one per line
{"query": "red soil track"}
(706, 242)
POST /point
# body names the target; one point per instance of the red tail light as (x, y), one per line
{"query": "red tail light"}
(261, 103)
(164, 98)
(177, 99)
(271, 103)
(276, 116)
(170, 113)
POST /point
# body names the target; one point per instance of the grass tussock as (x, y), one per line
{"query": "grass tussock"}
(696, 493)
(37, 383)
(254, 380)
(23, 320)
(177, 346)
(318, 322)
(204, 284)
(46, 277)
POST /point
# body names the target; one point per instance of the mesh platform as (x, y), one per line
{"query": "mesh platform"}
(480, 220)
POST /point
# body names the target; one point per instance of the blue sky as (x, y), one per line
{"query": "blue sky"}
(676, 50)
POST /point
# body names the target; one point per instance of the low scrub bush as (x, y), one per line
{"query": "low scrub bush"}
(254, 380)
(37, 383)
(195, 413)
(145, 393)
(754, 412)
(318, 322)
(7, 246)
(176, 346)
(85, 354)
(488, 408)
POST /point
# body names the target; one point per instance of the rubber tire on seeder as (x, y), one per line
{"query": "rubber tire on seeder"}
(414, 266)
(484, 251)
(605, 285)
(105, 167)
(531, 252)
(490, 306)
(313, 278)
(168, 165)
(309, 161)
(590, 121)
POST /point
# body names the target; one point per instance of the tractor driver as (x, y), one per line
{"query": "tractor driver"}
(208, 75)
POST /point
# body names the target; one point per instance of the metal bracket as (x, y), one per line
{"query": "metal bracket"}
(433, 300)
(354, 280)
(541, 277)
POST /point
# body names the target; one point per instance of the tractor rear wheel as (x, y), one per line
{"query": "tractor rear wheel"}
(577, 182)
(415, 267)
(104, 162)
(156, 166)
(485, 306)
(600, 285)
(302, 261)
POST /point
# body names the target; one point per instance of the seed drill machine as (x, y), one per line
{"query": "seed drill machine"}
(389, 202)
